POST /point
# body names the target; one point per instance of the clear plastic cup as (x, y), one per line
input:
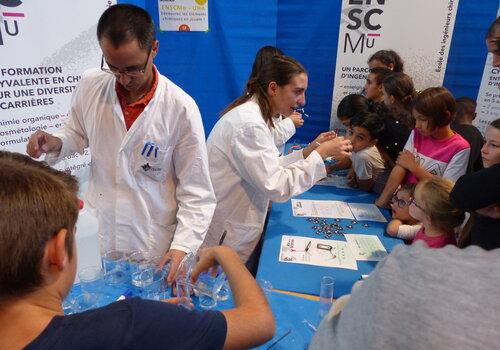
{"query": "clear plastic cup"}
(91, 279)
(184, 290)
(325, 295)
(148, 280)
(225, 291)
(115, 265)
(85, 301)
(206, 289)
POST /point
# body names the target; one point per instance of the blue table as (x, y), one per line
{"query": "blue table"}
(303, 278)
(290, 312)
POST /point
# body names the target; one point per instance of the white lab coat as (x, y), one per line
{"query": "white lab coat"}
(146, 197)
(247, 172)
(283, 130)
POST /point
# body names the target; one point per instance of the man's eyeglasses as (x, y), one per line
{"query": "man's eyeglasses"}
(131, 72)
(400, 202)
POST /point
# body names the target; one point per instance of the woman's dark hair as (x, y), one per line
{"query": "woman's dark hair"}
(388, 57)
(350, 105)
(280, 69)
(262, 57)
(122, 23)
(437, 104)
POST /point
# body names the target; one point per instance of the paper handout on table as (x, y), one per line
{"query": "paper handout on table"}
(318, 252)
(336, 209)
(366, 247)
(366, 212)
(321, 209)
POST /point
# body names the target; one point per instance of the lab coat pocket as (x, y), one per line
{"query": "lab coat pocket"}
(155, 163)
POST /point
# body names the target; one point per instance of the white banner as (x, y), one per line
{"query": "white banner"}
(488, 98)
(419, 31)
(183, 15)
(45, 46)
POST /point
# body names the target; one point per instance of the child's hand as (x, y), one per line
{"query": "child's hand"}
(350, 174)
(297, 119)
(351, 179)
(407, 160)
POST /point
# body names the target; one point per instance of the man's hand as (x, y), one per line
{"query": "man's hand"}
(177, 300)
(41, 142)
(173, 256)
(207, 259)
(297, 119)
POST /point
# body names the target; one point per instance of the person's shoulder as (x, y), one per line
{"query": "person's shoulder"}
(459, 141)
(363, 155)
(246, 115)
(368, 154)
(95, 76)
(174, 92)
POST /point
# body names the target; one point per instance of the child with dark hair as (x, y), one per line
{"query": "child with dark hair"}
(462, 124)
(367, 162)
(388, 59)
(398, 94)
(432, 149)
(373, 85)
(349, 106)
(432, 207)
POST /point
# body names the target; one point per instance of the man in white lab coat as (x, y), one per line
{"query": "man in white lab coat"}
(149, 183)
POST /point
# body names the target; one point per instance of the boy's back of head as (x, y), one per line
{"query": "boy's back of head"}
(466, 110)
(36, 202)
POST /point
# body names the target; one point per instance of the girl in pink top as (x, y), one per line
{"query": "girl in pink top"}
(432, 149)
(431, 206)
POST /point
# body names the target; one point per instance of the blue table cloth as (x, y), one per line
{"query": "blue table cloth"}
(294, 317)
(303, 278)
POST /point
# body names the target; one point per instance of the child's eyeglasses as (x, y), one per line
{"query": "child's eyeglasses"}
(400, 202)
(412, 201)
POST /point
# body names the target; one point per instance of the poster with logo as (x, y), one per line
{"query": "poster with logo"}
(419, 31)
(45, 46)
(488, 98)
(183, 15)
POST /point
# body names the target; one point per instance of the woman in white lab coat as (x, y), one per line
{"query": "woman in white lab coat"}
(245, 167)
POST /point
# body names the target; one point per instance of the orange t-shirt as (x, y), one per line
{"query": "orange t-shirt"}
(132, 111)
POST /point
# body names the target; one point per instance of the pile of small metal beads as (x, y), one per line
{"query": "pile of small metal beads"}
(323, 227)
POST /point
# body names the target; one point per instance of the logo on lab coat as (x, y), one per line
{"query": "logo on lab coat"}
(147, 167)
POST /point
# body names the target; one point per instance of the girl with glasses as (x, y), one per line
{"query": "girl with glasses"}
(403, 225)
(432, 207)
